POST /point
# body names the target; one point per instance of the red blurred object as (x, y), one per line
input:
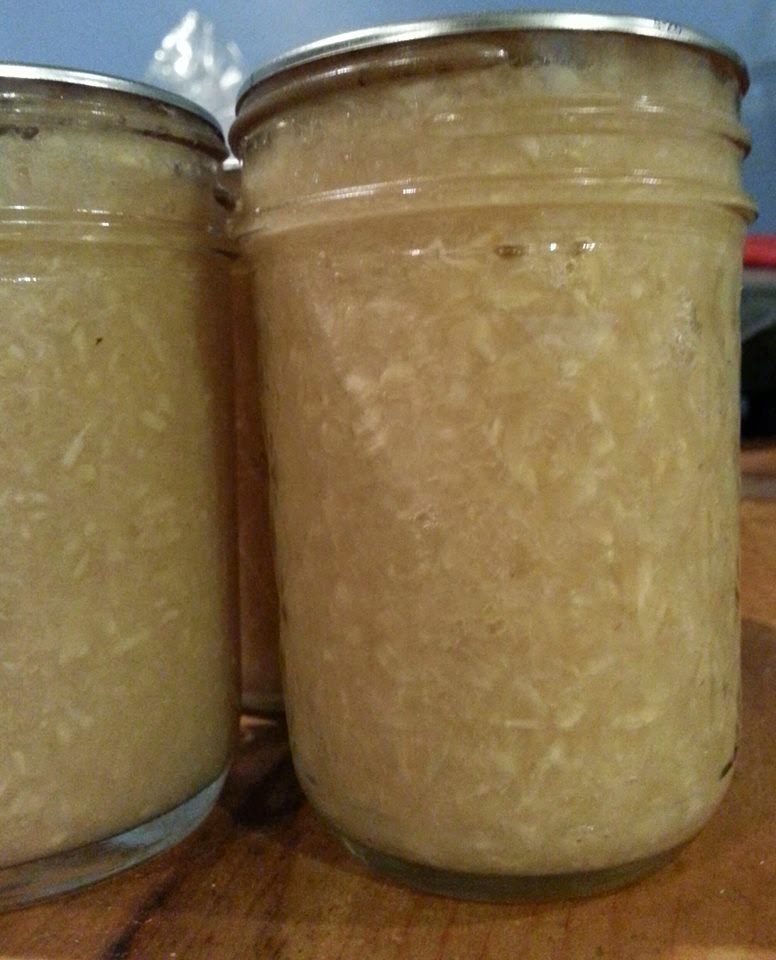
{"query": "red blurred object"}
(760, 250)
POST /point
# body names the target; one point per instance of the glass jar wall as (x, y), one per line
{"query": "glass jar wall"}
(117, 579)
(497, 265)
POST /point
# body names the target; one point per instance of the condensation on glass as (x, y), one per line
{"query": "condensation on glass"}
(117, 576)
(497, 264)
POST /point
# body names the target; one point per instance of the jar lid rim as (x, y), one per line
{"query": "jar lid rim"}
(395, 33)
(11, 70)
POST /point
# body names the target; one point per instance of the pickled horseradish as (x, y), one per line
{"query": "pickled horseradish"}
(261, 686)
(117, 598)
(497, 276)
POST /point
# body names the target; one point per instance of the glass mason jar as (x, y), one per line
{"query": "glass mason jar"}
(117, 578)
(261, 686)
(497, 263)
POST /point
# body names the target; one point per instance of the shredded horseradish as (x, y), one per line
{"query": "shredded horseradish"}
(116, 602)
(503, 430)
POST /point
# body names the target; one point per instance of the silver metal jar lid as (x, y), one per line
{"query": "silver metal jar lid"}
(390, 34)
(103, 81)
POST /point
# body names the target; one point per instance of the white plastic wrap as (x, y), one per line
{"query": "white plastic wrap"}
(195, 62)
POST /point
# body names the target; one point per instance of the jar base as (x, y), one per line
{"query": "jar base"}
(504, 887)
(25, 883)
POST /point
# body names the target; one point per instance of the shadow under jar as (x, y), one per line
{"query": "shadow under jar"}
(117, 586)
(497, 265)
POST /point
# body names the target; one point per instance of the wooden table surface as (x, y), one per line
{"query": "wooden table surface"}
(263, 880)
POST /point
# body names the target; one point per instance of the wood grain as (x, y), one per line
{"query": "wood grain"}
(264, 880)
